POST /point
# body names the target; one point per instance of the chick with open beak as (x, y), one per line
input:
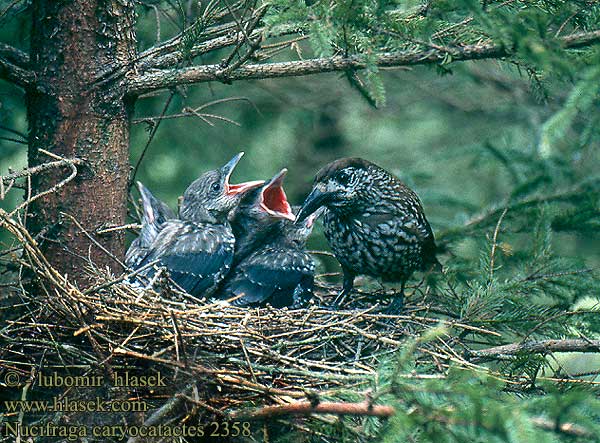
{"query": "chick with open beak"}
(197, 249)
(258, 212)
(280, 272)
(211, 197)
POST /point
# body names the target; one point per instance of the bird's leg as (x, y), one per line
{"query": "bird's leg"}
(395, 307)
(347, 287)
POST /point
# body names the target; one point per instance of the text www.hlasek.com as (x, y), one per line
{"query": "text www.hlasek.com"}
(66, 404)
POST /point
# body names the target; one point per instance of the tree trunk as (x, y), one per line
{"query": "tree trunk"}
(75, 115)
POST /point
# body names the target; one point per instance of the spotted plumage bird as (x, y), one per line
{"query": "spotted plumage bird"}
(197, 249)
(258, 212)
(374, 224)
(280, 272)
(154, 215)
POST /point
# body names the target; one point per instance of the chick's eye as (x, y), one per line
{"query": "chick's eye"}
(215, 187)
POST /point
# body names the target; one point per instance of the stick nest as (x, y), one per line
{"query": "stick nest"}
(218, 360)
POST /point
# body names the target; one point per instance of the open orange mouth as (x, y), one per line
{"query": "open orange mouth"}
(232, 190)
(242, 187)
(273, 199)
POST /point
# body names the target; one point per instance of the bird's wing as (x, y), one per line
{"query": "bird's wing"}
(135, 254)
(271, 275)
(196, 255)
(403, 230)
(400, 226)
(154, 214)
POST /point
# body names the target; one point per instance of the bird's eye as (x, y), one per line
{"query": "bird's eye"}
(343, 177)
(216, 187)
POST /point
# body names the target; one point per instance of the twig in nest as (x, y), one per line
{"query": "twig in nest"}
(168, 408)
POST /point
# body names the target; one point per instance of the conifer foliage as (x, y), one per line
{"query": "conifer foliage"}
(502, 346)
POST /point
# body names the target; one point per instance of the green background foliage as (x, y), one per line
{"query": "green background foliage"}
(471, 138)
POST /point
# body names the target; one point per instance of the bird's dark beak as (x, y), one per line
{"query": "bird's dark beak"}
(318, 197)
(273, 199)
(240, 188)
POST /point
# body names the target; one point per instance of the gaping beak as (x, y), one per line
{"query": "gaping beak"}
(318, 197)
(239, 188)
(273, 199)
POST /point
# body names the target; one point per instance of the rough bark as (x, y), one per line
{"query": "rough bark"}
(74, 116)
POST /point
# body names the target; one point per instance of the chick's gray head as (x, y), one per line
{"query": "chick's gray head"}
(211, 197)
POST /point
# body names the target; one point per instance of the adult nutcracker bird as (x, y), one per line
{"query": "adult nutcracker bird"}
(154, 215)
(374, 223)
(257, 214)
(280, 272)
(198, 248)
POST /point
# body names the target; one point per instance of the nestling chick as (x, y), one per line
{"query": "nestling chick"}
(154, 215)
(280, 272)
(198, 249)
(259, 211)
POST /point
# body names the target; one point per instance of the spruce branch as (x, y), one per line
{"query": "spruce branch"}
(154, 59)
(486, 218)
(14, 55)
(200, 74)
(14, 66)
(537, 347)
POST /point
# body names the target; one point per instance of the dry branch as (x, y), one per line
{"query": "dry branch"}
(14, 55)
(61, 162)
(538, 347)
(14, 74)
(200, 74)
(40, 168)
(14, 66)
(170, 53)
(307, 408)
